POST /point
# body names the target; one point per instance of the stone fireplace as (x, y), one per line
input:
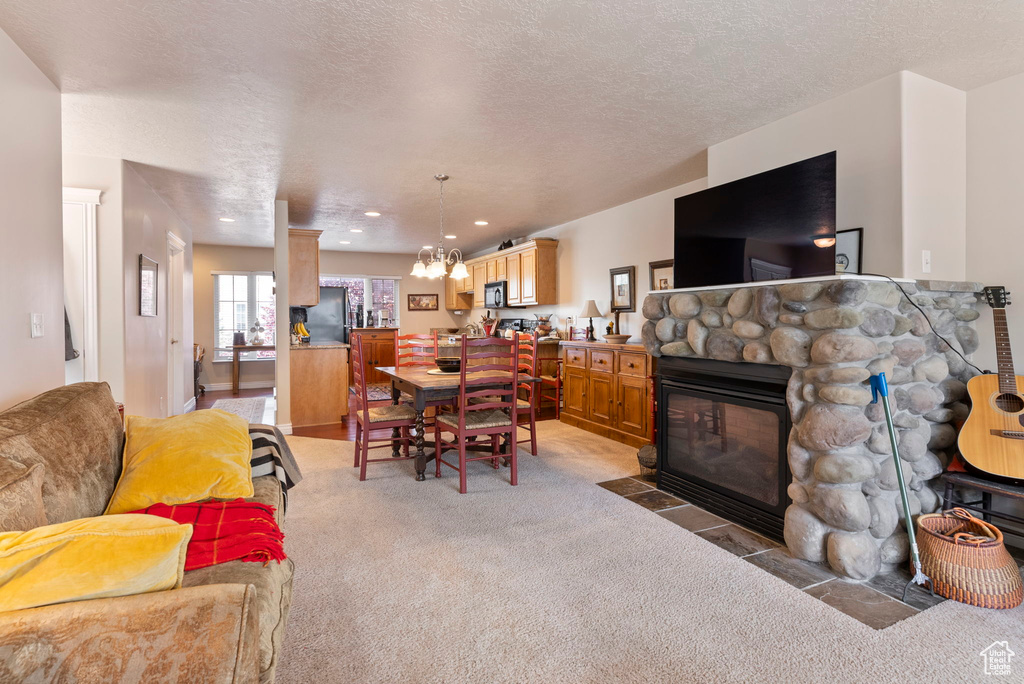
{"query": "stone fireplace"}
(841, 504)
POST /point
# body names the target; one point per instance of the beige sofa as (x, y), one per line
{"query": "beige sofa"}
(225, 624)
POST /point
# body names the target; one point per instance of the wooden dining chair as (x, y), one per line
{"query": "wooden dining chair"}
(482, 423)
(527, 359)
(555, 383)
(415, 350)
(397, 417)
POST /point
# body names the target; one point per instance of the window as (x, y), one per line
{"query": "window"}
(383, 294)
(239, 299)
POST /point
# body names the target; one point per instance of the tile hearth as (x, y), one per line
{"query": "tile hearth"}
(875, 603)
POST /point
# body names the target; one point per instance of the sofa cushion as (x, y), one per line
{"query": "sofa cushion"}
(273, 584)
(267, 490)
(75, 432)
(112, 555)
(187, 458)
(21, 496)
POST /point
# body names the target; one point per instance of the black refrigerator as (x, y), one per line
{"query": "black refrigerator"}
(328, 321)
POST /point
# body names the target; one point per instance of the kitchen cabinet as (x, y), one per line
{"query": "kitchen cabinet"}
(479, 278)
(530, 268)
(303, 267)
(512, 262)
(378, 350)
(319, 384)
(607, 390)
(454, 298)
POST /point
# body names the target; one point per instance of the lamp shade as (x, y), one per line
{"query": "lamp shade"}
(435, 269)
(459, 271)
(418, 269)
(590, 310)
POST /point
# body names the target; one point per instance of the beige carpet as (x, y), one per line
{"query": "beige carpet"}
(558, 580)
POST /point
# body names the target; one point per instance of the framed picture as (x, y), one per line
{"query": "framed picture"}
(623, 288)
(423, 302)
(849, 250)
(147, 286)
(662, 274)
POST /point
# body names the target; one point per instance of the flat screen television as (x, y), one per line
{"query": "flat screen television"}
(761, 227)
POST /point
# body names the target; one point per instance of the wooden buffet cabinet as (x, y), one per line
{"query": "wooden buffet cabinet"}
(378, 350)
(529, 267)
(606, 389)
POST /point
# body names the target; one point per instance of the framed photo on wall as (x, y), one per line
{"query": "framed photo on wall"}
(623, 288)
(147, 286)
(662, 274)
(423, 302)
(849, 250)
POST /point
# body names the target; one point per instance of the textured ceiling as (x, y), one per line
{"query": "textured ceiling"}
(541, 111)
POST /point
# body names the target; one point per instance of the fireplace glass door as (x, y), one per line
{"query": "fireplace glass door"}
(729, 445)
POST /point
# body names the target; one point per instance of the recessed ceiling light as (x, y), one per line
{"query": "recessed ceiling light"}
(227, 220)
(480, 223)
(356, 230)
(372, 213)
(427, 247)
(345, 242)
(450, 237)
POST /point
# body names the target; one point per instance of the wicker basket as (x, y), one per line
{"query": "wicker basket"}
(966, 561)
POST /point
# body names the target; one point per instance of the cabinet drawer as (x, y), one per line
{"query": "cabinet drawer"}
(602, 361)
(576, 357)
(632, 364)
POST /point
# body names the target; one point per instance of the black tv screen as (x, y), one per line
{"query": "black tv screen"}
(762, 227)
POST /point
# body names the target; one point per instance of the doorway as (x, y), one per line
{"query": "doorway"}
(176, 369)
(80, 285)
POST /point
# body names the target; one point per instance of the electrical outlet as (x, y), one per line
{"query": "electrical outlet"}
(926, 261)
(36, 325)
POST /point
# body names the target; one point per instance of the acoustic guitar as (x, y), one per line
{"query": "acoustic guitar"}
(992, 439)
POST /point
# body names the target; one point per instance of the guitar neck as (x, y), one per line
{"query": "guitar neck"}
(1004, 358)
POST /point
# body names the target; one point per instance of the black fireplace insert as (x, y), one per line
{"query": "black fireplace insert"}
(722, 434)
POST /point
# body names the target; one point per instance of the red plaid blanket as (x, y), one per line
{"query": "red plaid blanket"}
(224, 531)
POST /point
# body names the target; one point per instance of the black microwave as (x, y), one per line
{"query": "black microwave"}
(496, 295)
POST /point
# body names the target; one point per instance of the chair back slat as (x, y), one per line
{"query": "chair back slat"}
(503, 360)
(359, 372)
(528, 358)
(415, 350)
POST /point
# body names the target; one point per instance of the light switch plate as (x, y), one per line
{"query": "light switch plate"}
(926, 261)
(36, 323)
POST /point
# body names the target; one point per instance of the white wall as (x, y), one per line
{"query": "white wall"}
(147, 220)
(104, 174)
(631, 234)
(31, 261)
(995, 204)
(863, 126)
(934, 159)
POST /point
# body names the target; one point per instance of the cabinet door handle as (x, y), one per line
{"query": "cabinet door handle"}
(631, 365)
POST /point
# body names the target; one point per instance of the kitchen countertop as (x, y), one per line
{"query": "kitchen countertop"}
(321, 345)
(442, 340)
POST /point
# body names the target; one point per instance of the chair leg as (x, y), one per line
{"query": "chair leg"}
(365, 454)
(515, 458)
(359, 428)
(462, 465)
(437, 450)
(495, 446)
(533, 431)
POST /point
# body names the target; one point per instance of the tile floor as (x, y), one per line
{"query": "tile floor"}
(876, 603)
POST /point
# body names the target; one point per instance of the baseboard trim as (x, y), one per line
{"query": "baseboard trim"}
(190, 405)
(285, 428)
(252, 384)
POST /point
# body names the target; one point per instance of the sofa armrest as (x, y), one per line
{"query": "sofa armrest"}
(196, 634)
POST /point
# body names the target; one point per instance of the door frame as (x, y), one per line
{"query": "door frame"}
(90, 201)
(175, 324)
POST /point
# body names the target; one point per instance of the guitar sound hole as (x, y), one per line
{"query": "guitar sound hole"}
(1010, 403)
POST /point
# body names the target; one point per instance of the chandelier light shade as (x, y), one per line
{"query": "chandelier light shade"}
(437, 264)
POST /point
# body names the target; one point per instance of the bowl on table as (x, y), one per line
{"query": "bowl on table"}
(448, 364)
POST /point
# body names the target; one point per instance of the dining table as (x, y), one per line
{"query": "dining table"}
(423, 385)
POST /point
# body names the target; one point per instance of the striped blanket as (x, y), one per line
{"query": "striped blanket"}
(272, 456)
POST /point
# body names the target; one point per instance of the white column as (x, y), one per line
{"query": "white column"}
(282, 366)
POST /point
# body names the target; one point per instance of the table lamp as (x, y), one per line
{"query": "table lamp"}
(590, 311)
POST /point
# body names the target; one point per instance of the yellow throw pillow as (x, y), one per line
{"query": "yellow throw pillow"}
(91, 558)
(195, 456)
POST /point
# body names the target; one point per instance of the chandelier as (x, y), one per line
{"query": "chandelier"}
(437, 265)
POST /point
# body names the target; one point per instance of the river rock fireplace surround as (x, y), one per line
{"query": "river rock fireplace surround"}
(835, 489)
